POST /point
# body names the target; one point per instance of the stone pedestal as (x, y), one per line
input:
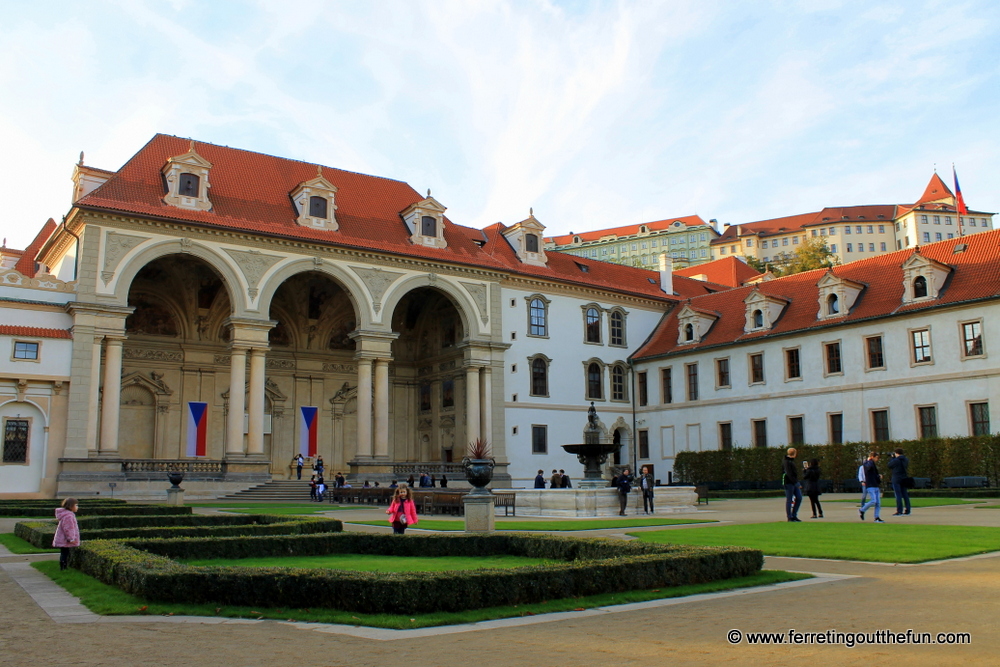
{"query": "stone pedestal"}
(175, 496)
(479, 513)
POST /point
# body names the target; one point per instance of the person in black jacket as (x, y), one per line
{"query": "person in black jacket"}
(898, 464)
(540, 480)
(811, 477)
(793, 490)
(624, 488)
(873, 482)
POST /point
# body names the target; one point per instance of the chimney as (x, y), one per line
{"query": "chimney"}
(666, 273)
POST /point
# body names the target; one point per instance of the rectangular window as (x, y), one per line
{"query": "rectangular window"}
(850, 247)
(643, 444)
(880, 425)
(972, 336)
(667, 385)
(871, 229)
(937, 219)
(847, 229)
(722, 373)
(726, 436)
(923, 219)
(937, 236)
(871, 247)
(793, 370)
(836, 428)
(927, 237)
(876, 359)
(857, 230)
(980, 415)
(643, 391)
(882, 245)
(833, 247)
(692, 381)
(15, 441)
(795, 240)
(928, 422)
(756, 368)
(833, 362)
(448, 394)
(947, 219)
(428, 226)
(25, 350)
(921, 346)
(759, 433)
(539, 439)
(881, 229)
(796, 431)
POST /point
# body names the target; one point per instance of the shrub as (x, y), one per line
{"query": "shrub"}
(97, 510)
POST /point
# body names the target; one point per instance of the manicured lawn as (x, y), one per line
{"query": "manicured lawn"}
(546, 525)
(19, 546)
(914, 502)
(374, 563)
(988, 507)
(108, 600)
(891, 542)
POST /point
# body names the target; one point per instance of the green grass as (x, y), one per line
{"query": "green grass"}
(914, 502)
(376, 563)
(110, 601)
(19, 546)
(892, 542)
(547, 526)
(988, 507)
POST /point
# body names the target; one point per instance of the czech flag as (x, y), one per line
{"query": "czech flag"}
(959, 200)
(307, 443)
(197, 428)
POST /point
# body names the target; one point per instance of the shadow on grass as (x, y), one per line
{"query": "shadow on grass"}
(19, 546)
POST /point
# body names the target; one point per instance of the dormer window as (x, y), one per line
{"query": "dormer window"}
(836, 295)
(762, 311)
(524, 239)
(688, 332)
(425, 222)
(428, 225)
(186, 177)
(919, 287)
(531, 242)
(693, 325)
(832, 304)
(758, 319)
(315, 202)
(923, 278)
(188, 185)
(318, 207)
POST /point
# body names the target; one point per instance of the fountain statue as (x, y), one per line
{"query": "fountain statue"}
(592, 453)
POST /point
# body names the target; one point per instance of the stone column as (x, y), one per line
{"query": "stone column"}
(382, 408)
(111, 407)
(471, 404)
(255, 399)
(237, 398)
(94, 398)
(486, 403)
(364, 408)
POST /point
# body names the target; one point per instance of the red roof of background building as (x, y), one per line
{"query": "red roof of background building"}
(936, 189)
(26, 265)
(729, 271)
(975, 275)
(793, 223)
(250, 192)
(33, 332)
(627, 230)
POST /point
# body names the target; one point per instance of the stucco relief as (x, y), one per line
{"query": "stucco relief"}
(152, 355)
(377, 281)
(478, 293)
(339, 368)
(254, 265)
(116, 246)
(12, 278)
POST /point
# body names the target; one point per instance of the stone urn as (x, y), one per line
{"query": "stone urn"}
(479, 473)
(176, 478)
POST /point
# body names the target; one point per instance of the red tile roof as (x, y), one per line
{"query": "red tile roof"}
(936, 189)
(250, 192)
(793, 223)
(627, 230)
(975, 275)
(33, 332)
(26, 265)
(729, 271)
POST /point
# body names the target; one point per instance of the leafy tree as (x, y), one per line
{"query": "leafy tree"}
(814, 253)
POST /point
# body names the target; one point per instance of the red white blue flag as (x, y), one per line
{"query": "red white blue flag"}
(307, 442)
(197, 429)
(959, 200)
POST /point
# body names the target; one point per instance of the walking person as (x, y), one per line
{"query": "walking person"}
(67, 532)
(646, 484)
(811, 476)
(624, 488)
(402, 511)
(540, 480)
(793, 490)
(299, 462)
(873, 482)
(898, 464)
(861, 478)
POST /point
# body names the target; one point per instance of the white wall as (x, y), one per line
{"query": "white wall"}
(25, 478)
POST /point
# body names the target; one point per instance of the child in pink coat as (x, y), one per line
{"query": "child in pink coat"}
(67, 532)
(403, 511)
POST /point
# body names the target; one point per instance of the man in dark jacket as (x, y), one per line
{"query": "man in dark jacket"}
(873, 482)
(898, 464)
(624, 488)
(540, 480)
(793, 490)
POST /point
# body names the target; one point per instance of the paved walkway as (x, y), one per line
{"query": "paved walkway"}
(952, 596)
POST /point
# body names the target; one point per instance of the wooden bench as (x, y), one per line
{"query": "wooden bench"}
(702, 491)
(508, 501)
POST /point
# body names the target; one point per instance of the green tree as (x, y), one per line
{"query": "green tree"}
(814, 253)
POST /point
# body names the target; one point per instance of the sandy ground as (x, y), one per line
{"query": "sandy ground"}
(955, 596)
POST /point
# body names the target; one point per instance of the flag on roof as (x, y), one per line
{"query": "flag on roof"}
(959, 200)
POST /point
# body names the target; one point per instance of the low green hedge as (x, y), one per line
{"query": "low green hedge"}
(591, 566)
(56, 502)
(40, 534)
(98, 510)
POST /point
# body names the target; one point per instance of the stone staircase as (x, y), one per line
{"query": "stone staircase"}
(283, 491)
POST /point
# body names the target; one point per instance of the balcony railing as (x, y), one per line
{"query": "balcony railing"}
(173, 465)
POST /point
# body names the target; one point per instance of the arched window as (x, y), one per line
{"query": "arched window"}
(188, 186)
(618, 383)
(688, 332)
(317, 207)
(428, 225)
(617, 328)
(594, 381)
(531, 242)
(536, 315)
(758, 319)
(539, 378)
(919, 287)
(832, 304)
(593, 326)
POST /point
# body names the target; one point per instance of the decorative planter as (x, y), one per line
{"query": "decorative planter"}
(479, 473)
(176, 478)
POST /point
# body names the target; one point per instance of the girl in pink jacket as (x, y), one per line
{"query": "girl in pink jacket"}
(67, 532)
(403, 511)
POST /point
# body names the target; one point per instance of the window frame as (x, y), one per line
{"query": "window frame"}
(929, 361)
(719, 371)
(874, 427)
(754, 423)
(691, 381)
(922, 427)
(868, 353)
(666, 385)
(972, 418)
(798, 363)
(643, 443)
(423, 225)
(596, 326)
(622, 334)
(529, 300)
(27, 441)
(546, 362)
(544, 430)
(587, 379)
(23, 341)
(837, 347)
(725, 444)
(317, 199)
(642, 388)
(621, 396)
(831, 432)
(751, 375)
(792, 441)
(191, 178)
(964, 341)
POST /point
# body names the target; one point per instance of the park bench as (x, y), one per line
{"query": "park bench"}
(507, 501)
(702, 491)
(964, 482)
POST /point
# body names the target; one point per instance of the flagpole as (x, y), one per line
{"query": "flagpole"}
(959, 202)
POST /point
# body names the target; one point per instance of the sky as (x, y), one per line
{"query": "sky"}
(593, 114)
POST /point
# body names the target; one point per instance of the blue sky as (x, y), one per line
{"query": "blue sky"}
(594, 113)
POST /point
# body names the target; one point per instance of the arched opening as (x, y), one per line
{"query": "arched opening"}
(919, 287)
(758, 319)
(832, 305)
(616, 440)
(688, 332)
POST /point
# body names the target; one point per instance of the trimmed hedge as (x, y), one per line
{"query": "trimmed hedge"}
(56, 502)
(98, 510)
(935, 458)
(40, 534)
(592, 566)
